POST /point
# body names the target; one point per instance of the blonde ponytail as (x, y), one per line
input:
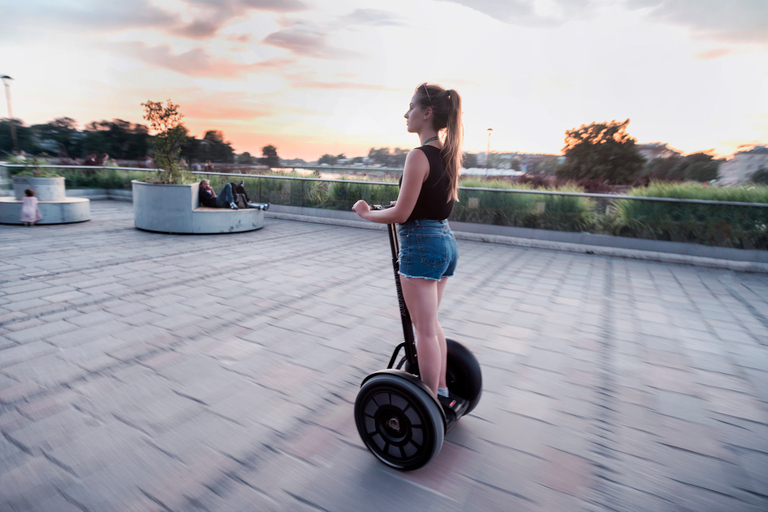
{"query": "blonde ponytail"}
(454, 137)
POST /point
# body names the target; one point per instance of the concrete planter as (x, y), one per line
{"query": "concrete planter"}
(164, 208)
(46, 189)
(174, 209)
(54, 205)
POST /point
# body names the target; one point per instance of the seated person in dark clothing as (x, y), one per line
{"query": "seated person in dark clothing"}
(208, 197)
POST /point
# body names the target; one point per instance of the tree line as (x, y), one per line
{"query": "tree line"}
(598, 152)
(119, 139)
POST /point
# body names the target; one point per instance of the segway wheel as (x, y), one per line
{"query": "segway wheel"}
(463, 374)
(399, 422)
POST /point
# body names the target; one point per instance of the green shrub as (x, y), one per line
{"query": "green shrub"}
(31, 168)
(101, 178)
(742, 227)
(38, 173)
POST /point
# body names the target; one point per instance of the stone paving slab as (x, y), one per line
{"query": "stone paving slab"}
(141, 371)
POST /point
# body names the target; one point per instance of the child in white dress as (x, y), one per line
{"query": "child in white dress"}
(30, 213)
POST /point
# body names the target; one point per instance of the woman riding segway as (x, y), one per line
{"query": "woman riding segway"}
(428, 252)
(427, 258)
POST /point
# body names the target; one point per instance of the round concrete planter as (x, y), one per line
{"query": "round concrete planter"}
(174, 209)
(54, 205)
(46, 189)
(164, 208)
(65, 211)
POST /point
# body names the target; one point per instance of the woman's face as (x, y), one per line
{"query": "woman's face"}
(417, 116)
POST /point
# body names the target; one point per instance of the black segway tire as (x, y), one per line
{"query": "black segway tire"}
(463, 374)
(399, 421)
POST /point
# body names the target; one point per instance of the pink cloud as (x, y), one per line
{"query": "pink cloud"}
(219, 110)
(196, 62)
(713, 54)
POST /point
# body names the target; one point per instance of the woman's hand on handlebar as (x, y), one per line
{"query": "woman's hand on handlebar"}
(361, 208)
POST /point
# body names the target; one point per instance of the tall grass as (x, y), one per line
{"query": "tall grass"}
(341, 196)
(565, 213)
(742, 227)
(721, 225)
(100, 178)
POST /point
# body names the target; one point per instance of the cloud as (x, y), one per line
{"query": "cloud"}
(91, 14)
(217, 13)
(242, 38)
(373, 17)
(714, 54)
(196, 62)
(733, 21)
(198, 29)
(209, 16)
(241, 6)
(304, 83)
(213, 108)
(307, 40)
(531, 13)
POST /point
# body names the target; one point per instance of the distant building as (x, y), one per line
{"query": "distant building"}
(656, 150)
(534, 158)
(743, 164)
(485, 172)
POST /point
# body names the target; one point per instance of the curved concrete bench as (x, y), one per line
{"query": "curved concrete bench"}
(176, 209)
(63, 211)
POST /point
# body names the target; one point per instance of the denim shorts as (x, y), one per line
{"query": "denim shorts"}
(427, 249)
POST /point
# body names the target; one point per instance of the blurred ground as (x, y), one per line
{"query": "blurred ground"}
(142, 372)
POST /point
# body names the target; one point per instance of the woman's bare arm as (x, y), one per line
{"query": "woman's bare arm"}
(415, 174)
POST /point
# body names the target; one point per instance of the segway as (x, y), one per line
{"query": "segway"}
(397, 417)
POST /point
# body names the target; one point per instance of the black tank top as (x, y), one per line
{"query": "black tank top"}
(433, 202)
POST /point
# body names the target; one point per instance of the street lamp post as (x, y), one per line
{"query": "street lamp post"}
(488, 153)
(5, 79)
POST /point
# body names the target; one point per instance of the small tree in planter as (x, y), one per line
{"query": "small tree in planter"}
(165, 120)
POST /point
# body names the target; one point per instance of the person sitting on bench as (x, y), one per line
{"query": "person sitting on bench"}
(208, 197)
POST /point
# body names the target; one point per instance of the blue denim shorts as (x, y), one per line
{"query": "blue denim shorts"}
(427, 249)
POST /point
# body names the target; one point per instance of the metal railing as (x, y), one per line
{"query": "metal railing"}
(386, 183)
(739, 224)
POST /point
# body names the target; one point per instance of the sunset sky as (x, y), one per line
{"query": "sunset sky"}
(336, 76)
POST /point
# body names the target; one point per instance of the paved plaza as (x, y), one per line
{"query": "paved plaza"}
(150, 372)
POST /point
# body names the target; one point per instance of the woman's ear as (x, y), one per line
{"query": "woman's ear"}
(427, 112)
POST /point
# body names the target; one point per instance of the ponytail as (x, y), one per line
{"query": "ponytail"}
(446, 109)
(454, 135)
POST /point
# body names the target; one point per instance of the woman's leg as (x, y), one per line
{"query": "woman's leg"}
(441, 335)
(421, 298)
